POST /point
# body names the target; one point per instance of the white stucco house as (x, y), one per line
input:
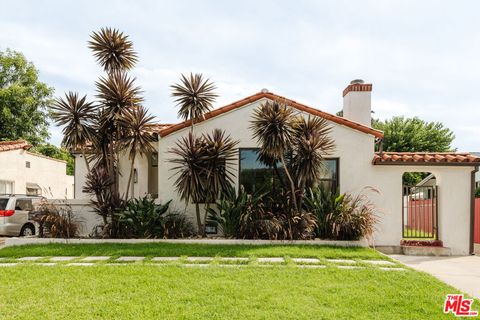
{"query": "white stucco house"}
(353, 166)
(24, 172)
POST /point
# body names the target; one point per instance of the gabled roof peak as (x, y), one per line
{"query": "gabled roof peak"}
(269, 95)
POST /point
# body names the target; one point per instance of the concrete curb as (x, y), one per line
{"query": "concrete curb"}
(25, 241)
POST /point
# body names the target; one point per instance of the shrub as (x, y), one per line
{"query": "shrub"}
(341, 217)
(477, 192)
(321, 202)
(228, 212)
(355, 219)
(56, 221)
(177, 225)
(142, 218)
(295, 224)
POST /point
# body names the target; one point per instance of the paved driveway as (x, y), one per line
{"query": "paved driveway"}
(462, 272)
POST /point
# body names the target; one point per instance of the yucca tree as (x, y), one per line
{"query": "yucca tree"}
(272, 127)
(115, 123)
(113, 50)
(189, 164)
(77, 116)
(220, 155)
(136, 138)
(203, 168)
(194, 96)
(311, 143)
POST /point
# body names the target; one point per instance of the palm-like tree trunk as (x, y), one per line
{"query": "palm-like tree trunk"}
(199, 220)
(132, 170)
(292, 184)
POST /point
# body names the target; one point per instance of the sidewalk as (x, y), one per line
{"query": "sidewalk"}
(461, 272)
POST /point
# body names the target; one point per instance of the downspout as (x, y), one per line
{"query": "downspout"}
(472, 210)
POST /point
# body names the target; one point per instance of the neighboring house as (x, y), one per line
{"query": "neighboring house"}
(353, 166)
(24, 172)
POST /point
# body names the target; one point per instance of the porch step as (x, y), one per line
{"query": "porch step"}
(426, 251)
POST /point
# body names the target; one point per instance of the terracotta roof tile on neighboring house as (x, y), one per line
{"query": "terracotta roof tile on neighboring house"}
(14, 145)
(272, 96)
(426, 158)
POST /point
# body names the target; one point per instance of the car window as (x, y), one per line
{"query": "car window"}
(24, 204)
(3, 203)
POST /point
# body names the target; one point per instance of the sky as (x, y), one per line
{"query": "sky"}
(422, 57)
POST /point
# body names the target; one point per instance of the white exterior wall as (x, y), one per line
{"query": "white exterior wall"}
(355, 150)
(357, 106)
(49, 174)
(140, 189)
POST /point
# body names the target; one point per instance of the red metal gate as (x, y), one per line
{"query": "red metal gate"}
(419, 214)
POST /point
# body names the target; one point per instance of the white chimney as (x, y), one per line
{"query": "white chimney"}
(357, 102)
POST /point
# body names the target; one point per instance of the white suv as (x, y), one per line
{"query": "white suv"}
(16, 213)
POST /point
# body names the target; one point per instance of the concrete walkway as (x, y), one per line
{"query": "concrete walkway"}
(462, 272)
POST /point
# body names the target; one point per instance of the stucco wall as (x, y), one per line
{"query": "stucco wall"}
(140, 188)
(49, 174)
(355, 150)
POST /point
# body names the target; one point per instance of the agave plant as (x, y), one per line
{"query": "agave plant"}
(194, 96)
(78, 118)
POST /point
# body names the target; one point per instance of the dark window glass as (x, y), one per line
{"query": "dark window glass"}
(3, 204)
(255, 176)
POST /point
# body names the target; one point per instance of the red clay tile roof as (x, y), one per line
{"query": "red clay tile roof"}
(272, 96)
(14, 145)
(425, 158)
(157, 127)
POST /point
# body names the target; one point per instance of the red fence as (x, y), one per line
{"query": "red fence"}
(476, 234)
(420, 220)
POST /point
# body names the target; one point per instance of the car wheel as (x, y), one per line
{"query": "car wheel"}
(27, 230)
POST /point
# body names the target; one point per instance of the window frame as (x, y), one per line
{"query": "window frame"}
(337, 164)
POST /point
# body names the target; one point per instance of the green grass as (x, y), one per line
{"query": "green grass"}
(140, 291)
(199, 250)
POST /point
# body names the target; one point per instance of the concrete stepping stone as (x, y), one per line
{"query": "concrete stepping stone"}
(232, 265)
(393, 269)
(306, 260)
(199, 258)
(341, 261)
(8, 264)
(201, 265)
(379, 262)
(29, 258)
(62, 258)
(270, 260)
(131, 258)
(81, 264)
(96, 258)
(233, 259)
(46, 264)
(311, 266)
(350, 267)
(165, 258)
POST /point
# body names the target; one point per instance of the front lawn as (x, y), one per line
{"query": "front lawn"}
(145, 291)
(179, 249)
